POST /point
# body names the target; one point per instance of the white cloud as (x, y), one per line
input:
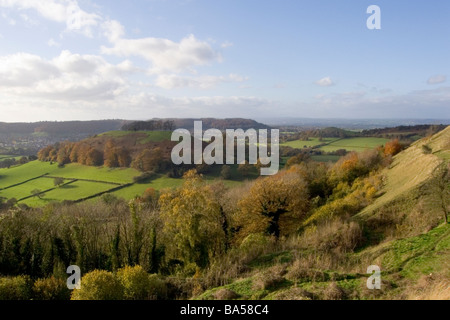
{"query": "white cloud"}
(325, 82)
(437, 79)
(113, 30)
(63, 11)
(52, 43)
(166, 55)
(67, 77)
(171, 81)
(8, 19)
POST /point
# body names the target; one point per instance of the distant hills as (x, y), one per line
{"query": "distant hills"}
(86, 128)
(351, 124)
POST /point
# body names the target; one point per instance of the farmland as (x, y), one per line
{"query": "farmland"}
(357, 144)
(79, 182)
(84, 182)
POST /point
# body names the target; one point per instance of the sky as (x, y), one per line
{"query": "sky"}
(141, 59)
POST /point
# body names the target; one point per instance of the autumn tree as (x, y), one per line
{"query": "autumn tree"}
(44, 153)
(193, 221)
(64, 151)
(244, 169)
(225, 173)
(275, 205)
(148, 160)
(392, 147)
(94, 157)
(110, 157)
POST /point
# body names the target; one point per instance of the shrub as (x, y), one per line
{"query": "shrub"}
(294, 294)
(139, 285)
(51, 289)
(334, 292)
(254, 240)
(269, 278)
(15, 288)
(302, 270)
(225, 294)
(225, 173)
(99, 285)
(426, 149)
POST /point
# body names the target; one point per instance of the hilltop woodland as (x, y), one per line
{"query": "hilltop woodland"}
(295, 235)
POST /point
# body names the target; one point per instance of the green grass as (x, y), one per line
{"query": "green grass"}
(72, 192)
(24, 190)
(354, 144)
(24, 172)
(420, 255)
(333, 144)
(312, 142)
(162, 182)
(78, 171)
(156, 136)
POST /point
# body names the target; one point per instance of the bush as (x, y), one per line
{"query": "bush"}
(15, 288)
(294, 294)
(334, 292)
(426, 149)
(269, 278)
(225, 294)
(139, 285)
(51, 289)
(302, 270)
(99, 285)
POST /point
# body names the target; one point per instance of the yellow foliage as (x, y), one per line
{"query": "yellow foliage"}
(275, 205)
(193, 220)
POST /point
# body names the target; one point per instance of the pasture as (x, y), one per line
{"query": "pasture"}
(357, 144)
(81, 182)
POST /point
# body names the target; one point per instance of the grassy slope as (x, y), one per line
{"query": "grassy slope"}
(410, 169)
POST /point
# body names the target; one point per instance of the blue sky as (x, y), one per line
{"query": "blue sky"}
(104, 59)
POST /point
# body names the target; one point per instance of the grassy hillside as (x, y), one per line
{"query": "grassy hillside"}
(411, 169)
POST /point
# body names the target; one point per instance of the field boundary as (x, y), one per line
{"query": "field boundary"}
(45, 191)
(104, 192)
(85, 180)
(20, 183)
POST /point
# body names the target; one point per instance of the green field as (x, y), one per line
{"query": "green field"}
(312, 142)
(354, 144)
(334, 144)
(71, 192)
(83, 181)
(18, 182)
